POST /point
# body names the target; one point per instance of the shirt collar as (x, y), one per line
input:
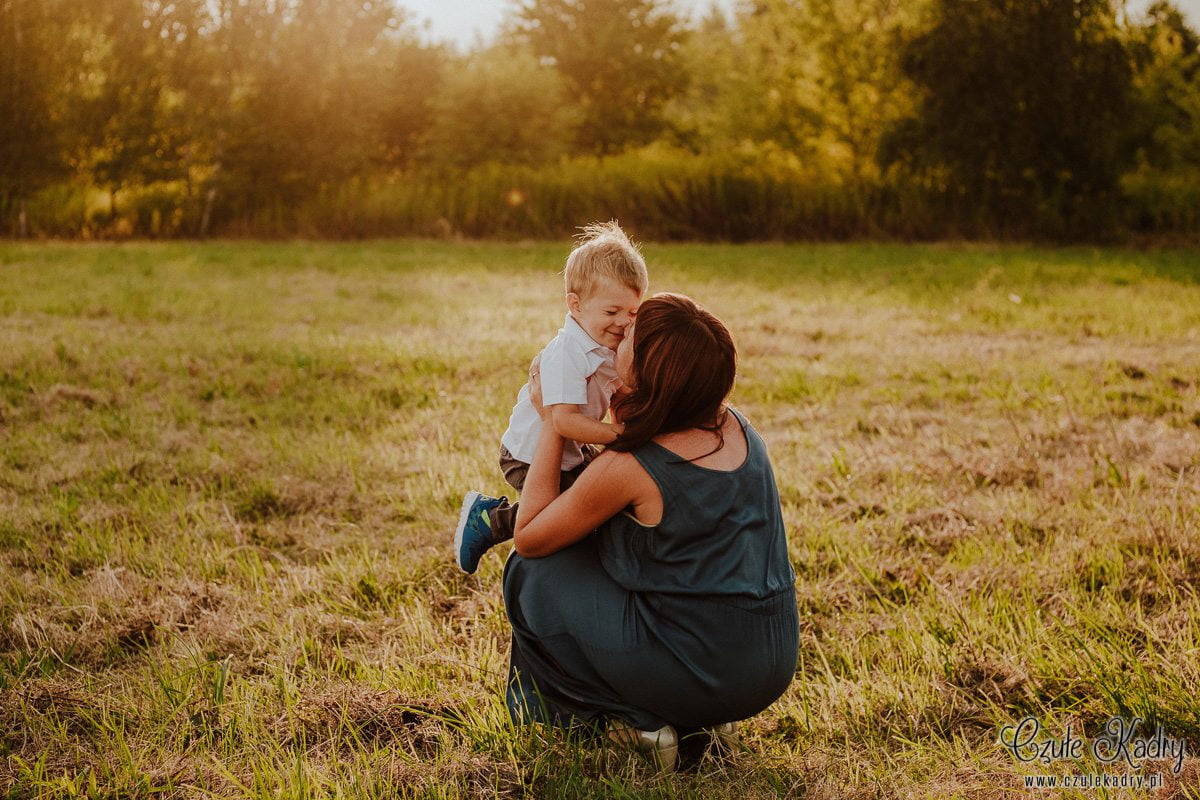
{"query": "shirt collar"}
(576, 332)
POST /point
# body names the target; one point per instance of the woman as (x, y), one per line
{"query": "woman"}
(656, 593)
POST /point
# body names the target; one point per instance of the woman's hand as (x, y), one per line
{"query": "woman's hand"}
(535, 387)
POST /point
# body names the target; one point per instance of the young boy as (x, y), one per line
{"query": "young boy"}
(605, 279)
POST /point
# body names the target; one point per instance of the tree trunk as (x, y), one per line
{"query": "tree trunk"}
(187, 190)
(210, 198)
(22, 219)
(206, 217)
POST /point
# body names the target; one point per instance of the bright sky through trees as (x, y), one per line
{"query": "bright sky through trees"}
(461, 21)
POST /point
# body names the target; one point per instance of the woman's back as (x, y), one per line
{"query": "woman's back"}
(721, 531)
(696, 445)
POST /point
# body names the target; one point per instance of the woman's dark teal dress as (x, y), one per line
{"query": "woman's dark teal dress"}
(690, 622)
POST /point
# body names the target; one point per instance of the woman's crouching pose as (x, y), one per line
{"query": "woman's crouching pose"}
(656, 593)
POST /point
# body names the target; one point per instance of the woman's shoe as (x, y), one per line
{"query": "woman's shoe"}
(662, 745)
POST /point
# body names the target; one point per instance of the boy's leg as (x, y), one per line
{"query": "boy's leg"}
(514, 470)
(571, 475)
(504, 516)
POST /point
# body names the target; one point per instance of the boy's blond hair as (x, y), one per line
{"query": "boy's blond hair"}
(604, 251)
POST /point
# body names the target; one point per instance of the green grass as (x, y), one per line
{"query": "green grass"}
(228, 475)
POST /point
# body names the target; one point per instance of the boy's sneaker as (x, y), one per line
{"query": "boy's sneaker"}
(473, 536)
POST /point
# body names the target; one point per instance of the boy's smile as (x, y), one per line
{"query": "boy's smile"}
(606, 312)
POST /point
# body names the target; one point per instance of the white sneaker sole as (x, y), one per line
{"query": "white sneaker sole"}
(661, 745)
(463, 515)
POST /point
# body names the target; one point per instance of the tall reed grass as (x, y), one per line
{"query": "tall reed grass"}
(663, 193)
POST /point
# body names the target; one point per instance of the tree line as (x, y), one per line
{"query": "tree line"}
(1056, 119)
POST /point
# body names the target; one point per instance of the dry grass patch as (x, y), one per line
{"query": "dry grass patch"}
(229, 472)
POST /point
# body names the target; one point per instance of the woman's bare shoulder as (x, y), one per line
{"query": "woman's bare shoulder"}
(622, 471)
(616, 463)
(625, 477)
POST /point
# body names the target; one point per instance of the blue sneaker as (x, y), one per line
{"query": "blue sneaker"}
(473, 536)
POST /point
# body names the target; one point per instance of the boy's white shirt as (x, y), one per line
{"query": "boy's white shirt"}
(574, 369)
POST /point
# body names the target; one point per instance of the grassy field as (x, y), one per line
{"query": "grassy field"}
(229, 474)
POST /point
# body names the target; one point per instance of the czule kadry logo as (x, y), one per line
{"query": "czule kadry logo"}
(1118, 742)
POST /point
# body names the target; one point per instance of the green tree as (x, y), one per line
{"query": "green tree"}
(416, 74)
(300, 98)
(131, 113)
(1022, 112)
(829, 75)
(500, 105)
(619, 60)
(723, 103)
(819, 79)
(858, 90)
(38, 58)
(1167, 83)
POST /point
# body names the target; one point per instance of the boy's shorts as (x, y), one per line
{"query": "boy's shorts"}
(515, 471)
(504, 516)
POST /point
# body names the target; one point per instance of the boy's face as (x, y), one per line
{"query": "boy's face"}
(606, 312)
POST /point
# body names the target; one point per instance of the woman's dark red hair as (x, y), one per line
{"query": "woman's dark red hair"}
(684, 362)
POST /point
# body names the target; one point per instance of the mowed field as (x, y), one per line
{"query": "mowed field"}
(230, 473)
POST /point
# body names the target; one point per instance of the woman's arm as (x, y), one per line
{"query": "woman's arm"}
(542, 480)
(546, 521)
